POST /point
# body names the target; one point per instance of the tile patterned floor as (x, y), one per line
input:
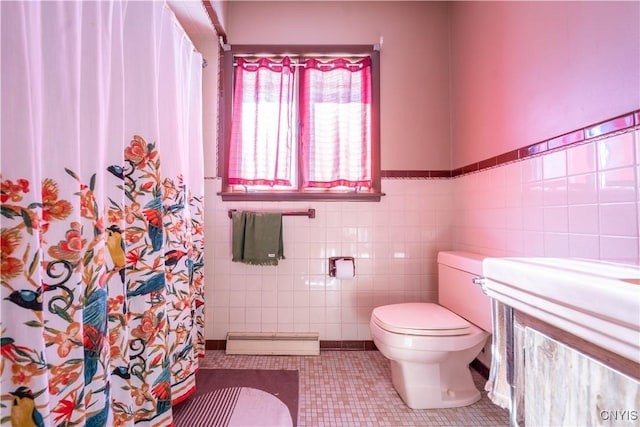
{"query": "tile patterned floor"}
(353, 388)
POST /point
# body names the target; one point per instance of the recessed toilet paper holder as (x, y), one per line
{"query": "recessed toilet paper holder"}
(332, 264)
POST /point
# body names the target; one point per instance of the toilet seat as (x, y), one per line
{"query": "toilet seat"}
(424, 319)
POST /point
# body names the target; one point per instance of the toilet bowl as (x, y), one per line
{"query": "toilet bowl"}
(431, 345)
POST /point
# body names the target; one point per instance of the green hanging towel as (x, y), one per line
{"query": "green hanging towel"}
(257, 238)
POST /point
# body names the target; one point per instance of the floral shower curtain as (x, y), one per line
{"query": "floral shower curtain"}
(101, 298)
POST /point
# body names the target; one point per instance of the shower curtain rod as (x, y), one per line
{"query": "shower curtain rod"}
(311, 213)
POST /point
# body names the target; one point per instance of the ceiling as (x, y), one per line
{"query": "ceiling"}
(194, 18)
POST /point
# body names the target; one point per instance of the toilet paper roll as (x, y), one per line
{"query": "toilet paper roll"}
(345, 269)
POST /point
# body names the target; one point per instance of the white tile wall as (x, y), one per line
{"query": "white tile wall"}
(395, 243)
(579, 202)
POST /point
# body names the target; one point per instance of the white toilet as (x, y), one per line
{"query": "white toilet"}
(431, 345)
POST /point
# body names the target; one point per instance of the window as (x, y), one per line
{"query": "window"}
(300, 123)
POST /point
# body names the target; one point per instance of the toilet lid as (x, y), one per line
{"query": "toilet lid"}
(420, 319)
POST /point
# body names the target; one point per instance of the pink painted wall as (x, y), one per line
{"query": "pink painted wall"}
(414, 62)
(524, 72)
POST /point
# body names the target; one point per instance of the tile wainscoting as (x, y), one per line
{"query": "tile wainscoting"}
(568, 197)
(575, 198)
(394, 243)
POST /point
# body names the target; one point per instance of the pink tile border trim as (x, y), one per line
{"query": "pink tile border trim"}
(416, 174)
(616, 124)
(567, 139)
(613, 125)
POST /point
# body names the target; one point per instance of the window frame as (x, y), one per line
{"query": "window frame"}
(225, 117)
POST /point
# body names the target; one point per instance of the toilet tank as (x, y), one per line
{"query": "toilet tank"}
(456, 290)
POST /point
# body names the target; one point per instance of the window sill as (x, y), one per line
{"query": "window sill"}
(296, 196)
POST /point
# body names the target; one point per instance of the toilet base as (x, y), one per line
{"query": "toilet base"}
(431, 386)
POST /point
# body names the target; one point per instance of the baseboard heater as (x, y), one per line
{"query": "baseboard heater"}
(274, 343)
